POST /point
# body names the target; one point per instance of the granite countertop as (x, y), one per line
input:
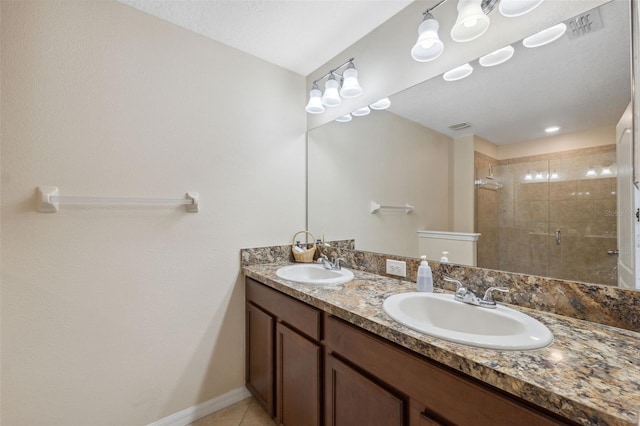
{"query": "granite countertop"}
(589, 374)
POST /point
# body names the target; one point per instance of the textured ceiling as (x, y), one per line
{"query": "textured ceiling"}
(300, 35)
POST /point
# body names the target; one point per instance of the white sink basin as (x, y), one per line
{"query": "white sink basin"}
(439, 315)
(311, 273)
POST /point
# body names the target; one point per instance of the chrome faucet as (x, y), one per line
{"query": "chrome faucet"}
(465, 295)
(333, 264)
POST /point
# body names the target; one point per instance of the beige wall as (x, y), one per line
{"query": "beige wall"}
(383, 158)
(114, 316)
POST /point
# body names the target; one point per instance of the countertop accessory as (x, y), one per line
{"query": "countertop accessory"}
(305, 256)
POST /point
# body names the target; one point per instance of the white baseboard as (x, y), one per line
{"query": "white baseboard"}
(191, 414)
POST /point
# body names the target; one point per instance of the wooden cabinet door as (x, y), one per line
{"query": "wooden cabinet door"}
(298, 380)
(353, 399)
(260, 338)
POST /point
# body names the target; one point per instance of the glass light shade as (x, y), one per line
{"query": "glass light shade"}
(344, 119)
(331, 97)
(546, 36)
(539, 176)
(471, 22)
(381, 104)
(458, 73)
(591, 172)
(315, 102)
(606, 171)
(497, 57)
(513, 8)
(350, 86)
(528, 176)
(361, 112)
(429, 46)
(554, 175)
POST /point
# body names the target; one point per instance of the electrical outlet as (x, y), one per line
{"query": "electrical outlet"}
(397, 267)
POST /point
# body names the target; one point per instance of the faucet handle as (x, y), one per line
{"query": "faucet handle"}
(456, 282)
(487, 301)
(337, 262)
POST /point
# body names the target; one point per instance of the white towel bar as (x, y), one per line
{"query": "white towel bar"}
(49, 200)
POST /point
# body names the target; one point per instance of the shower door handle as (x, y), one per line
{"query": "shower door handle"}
(558, 237)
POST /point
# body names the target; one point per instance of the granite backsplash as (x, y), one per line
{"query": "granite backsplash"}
(591, 302)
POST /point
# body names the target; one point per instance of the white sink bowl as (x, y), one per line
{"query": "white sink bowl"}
(441, 316)
(312, 273)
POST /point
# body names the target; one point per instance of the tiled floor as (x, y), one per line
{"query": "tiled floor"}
(244, 413)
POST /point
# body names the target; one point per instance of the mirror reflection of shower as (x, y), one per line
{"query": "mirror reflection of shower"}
(524, 204)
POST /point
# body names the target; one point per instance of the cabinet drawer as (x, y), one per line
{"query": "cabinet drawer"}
(450, 396)
(296, 314)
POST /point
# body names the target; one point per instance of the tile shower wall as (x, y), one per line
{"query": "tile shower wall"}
(550, 218)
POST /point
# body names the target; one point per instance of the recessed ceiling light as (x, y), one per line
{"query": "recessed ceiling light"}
(498, 57)
(552, 129)
(545, 36)
(458, 73)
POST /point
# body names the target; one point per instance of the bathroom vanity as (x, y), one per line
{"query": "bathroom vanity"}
(329, 355)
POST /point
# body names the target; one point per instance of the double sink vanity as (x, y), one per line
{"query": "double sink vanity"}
(355, 346)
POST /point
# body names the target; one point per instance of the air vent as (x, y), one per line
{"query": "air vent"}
(584, 24)
(460, 126)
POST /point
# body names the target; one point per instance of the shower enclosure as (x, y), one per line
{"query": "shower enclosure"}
(550, 215)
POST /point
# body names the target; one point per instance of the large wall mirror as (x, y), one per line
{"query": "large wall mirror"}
(544, 203)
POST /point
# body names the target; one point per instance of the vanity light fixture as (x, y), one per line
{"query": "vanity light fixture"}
(331, 97)
(349, 87)
(458, 73)
(554, 174)
(344, 119)
(528, 176)
(545, 36)
(429, 46)
(539, 176)
(591, 172)
(383, 103)
(497, 57)
(471, 22)
(552, 129)
(315, 100)
(513, 8)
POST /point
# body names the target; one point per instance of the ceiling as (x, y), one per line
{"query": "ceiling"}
(576, 84)
(299, 35)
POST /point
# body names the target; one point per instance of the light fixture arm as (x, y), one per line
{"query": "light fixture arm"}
(333, 71)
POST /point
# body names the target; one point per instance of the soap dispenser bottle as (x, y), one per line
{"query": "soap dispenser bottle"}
(425, 279)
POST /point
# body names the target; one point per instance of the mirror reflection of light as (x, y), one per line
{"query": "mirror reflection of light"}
(539, 176)
(554, 175)
(361, 112)
(606, 170)
(552, 129)
(591, 172)
(344, 119)
(545, 37)
(528, 176)
(381, 104)
(556, 356)
(497, 57)
(458, 73)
